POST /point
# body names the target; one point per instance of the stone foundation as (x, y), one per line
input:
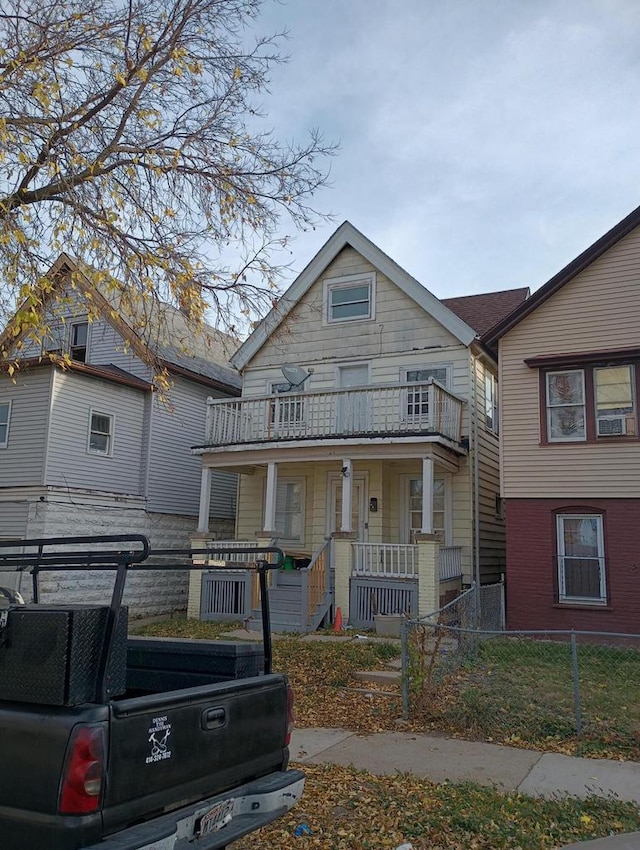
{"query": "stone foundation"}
(147, 593)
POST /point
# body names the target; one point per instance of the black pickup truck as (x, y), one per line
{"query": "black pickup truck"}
(176, 753)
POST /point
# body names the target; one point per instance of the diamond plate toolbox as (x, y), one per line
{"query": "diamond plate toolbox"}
(51, 654)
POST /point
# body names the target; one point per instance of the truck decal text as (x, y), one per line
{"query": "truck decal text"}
(159, 732)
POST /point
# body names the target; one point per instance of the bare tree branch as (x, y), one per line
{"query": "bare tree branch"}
(131, 138)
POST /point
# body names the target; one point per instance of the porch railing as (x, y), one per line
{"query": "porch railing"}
(315, 580)
(409, 409)
(450, 562)
(398, 560)
(385, 560)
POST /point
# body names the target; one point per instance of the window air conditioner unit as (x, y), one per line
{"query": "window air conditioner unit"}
(612, 426)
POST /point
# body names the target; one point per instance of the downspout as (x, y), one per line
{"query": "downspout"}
(476, 502)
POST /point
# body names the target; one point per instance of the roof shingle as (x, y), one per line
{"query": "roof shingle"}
(482, 312)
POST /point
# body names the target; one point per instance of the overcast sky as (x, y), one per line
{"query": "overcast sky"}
(483, 143)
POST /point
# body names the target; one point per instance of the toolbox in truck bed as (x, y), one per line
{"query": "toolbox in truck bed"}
(190, 662)
(50, 654)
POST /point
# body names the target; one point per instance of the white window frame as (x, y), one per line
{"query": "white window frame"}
(448, 506)
(491, 411)
(348, 282)
(562, 594)
(111, 435)
(74, 324)
(404, 379)
(301, 481)
(5, 443)
(549, 408)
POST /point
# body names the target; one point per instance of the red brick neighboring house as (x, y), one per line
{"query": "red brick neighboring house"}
(569, 373)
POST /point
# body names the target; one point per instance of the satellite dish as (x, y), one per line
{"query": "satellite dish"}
(296, 376)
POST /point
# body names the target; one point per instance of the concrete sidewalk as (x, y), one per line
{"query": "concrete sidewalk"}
(450, 759)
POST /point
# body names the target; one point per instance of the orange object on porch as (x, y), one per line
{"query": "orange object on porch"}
(337, 622)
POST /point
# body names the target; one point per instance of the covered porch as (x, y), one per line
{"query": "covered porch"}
(372, 531)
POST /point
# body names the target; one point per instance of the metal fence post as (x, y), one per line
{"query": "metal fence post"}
(576, 683)
(404, 635)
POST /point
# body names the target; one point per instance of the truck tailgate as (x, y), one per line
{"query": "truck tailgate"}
(169, 749)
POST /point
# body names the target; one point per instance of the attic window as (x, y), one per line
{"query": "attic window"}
(78, 341)
(349, 299)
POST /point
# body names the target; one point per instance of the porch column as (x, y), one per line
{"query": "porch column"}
(205, 500)
(199, 540)
(427, 495)
(428, 574)
(270, 499)
(342, 557)
(347, 495)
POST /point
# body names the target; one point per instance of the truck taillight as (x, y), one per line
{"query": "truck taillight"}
(82, 779)
(290, 717)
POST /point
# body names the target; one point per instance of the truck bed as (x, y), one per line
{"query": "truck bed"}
(166, 750)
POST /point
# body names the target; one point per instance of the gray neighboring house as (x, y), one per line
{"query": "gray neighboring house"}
(88, 447)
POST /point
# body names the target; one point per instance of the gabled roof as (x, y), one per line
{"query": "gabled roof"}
(592, 253)
(191, 362)
(483, 311)
(345, 235)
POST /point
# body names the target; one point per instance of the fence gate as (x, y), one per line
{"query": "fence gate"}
(225, 595)
(371, 596)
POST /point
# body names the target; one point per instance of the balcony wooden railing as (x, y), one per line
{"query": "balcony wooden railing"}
(370, 411)
(398, 560)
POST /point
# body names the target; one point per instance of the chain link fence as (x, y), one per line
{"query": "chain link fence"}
(464, 674)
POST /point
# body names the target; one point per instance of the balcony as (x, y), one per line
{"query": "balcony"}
(376, 411)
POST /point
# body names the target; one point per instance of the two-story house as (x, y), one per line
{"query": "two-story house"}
(88, 446)
(366, 441)
(570, 385)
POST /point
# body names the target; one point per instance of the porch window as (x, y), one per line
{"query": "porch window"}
(100, 434)
(565, 406)
(349, 299)
(289, 512)
(415, 508)
(5, 418)
(581, 567)
(417, 403)
(615, 405)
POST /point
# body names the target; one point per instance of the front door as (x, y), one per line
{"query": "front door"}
(358, 503)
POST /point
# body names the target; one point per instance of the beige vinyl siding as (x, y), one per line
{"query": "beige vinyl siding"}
(384, 481)
(599, 309)
(399, 325)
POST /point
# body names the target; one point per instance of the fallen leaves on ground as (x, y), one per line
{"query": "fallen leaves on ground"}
(468, 703)
(347, 809)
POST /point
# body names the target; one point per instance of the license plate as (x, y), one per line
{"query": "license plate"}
(215, 818)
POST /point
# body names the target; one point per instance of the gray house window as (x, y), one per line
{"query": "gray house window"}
(5, 418)
(78, 339)
(100, 433)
